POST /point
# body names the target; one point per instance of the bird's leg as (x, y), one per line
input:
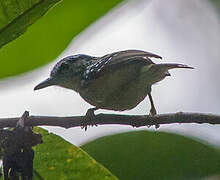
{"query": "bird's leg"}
(88, 118)
(153, 111)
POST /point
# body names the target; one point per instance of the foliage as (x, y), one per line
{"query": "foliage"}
(58, 159)
(134, 155)
(216, 4)
(49, 36)
(154, 155)
(16, 16)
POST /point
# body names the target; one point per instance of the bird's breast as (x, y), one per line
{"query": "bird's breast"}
(120, 90)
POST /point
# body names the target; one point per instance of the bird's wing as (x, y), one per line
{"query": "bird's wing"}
(129, 56)
(116, 60)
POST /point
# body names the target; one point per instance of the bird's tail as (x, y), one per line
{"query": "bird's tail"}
(173, 66)
(157, 72)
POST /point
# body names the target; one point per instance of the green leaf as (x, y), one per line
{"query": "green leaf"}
(58, 159)
(216, 5)
(154, 155)
(16, 16)
(49, 36)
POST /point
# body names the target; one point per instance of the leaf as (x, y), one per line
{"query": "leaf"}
(216, 5)
(58, 159)
(154, 155)
(50, 35)
(16, 16)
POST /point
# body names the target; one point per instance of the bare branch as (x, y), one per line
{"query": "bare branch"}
(102, 119)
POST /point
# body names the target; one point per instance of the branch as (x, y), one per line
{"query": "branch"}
(102, 119)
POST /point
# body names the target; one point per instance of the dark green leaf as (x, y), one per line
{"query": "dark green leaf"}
(16, 16)
(49, 36)
(154, 155)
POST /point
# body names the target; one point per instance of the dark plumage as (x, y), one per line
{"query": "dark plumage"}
(117, 81)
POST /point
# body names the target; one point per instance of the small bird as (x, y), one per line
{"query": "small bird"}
(118, 81)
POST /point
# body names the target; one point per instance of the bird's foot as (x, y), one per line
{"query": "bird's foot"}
(153, 112)
(88, 119)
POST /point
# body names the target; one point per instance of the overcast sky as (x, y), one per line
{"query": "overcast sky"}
(180, 31)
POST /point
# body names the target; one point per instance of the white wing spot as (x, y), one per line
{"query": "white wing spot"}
(87, 71)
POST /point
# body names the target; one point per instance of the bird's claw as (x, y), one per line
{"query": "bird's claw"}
(153, 112)
(88, 119)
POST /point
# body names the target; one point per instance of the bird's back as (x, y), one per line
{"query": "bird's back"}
(117, 85)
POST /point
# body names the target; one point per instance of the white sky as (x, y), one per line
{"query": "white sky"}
(181, 31)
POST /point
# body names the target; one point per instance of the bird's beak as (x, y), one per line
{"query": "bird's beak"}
(45, 83)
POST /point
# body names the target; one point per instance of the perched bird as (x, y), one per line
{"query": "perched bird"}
(118, 81)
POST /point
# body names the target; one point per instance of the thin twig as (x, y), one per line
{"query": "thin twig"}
(102, 119)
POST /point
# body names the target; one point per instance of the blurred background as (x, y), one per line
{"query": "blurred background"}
(185, 32)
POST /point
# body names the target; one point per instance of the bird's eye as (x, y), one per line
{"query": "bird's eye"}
(64, 66)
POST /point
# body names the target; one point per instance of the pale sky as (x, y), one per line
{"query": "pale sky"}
(180, 31)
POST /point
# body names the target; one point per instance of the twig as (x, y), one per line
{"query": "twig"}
(20, 122)
(102, 119)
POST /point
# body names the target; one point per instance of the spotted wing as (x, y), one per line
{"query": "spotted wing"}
(115, 60)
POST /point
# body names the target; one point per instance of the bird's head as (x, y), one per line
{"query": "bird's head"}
(67, 72)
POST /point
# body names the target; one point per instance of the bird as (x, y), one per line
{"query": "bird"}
(117, 81)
